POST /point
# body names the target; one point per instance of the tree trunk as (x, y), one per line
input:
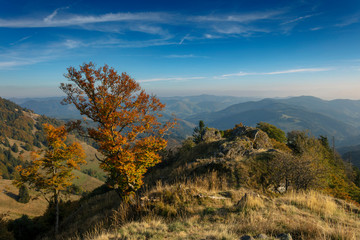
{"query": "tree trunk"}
(57, 213)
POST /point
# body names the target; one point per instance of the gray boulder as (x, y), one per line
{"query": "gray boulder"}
(284, 236)
(262, 236)
(259, 138)
(246, 237)
(211, 135)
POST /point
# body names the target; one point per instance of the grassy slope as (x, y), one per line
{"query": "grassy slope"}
(204, 210)
(14, 209)
(191, 197)
(37, 206)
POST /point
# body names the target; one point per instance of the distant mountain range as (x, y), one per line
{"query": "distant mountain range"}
(181, 106)
(184, 107)
(50, 106)
(339, 118)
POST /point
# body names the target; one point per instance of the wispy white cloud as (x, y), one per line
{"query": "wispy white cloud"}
(201, 27)
(299, 70)
(239, 18)
(239, 74)
(123, 43)
(147, 22)
(239, 30)
(169, 79)
(30, 54)
(20, 40)
(70, 43)
(316, 28)
(183, 39)
(349, 21)
(53, 14)
(299, 19)
(211, 36)
(160, 27)
(78, 20)
(182, 56)
(146, 28)
(11, 64)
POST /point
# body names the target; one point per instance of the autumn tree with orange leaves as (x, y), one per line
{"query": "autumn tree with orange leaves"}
(127, 130)
(50, 172)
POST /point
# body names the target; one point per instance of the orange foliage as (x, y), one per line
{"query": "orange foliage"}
(128, 132)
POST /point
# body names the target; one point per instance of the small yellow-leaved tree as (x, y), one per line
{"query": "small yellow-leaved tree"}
(50, 172)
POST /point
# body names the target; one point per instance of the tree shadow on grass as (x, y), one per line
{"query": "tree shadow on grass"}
(12, 195)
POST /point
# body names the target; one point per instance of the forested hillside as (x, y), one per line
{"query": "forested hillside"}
(21, 132)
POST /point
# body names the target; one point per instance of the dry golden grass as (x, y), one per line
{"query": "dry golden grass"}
(189, 211)
(315, 202)
(37, 205)
(14, 209)
(159, 229)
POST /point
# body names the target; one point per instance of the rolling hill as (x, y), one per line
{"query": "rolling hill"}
(339, 118)
(318, 116)
(180, 106)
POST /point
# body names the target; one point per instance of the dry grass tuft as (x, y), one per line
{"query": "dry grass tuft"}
(315, 202)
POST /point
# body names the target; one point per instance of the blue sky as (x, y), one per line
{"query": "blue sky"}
(241, 48)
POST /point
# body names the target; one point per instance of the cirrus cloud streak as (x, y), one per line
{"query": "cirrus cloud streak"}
(299, 70)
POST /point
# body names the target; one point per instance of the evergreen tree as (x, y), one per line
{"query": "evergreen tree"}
(15, 148)
(199, 132)
(6, 143)
(24, 196)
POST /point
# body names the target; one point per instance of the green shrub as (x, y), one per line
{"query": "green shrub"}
(15, 148)
(272, 131)
(24, 196)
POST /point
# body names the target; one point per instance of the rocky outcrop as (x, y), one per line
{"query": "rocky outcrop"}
(243, 141)
(257, 137)
(211, 135)
(235, 149)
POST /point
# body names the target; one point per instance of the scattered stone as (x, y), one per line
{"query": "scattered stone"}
(246, 237)
(262, 236)
(284, 236)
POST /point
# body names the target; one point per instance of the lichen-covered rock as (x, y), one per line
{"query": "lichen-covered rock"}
(262, 140)
(235, 149)
(211, 135)
(259, 138)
